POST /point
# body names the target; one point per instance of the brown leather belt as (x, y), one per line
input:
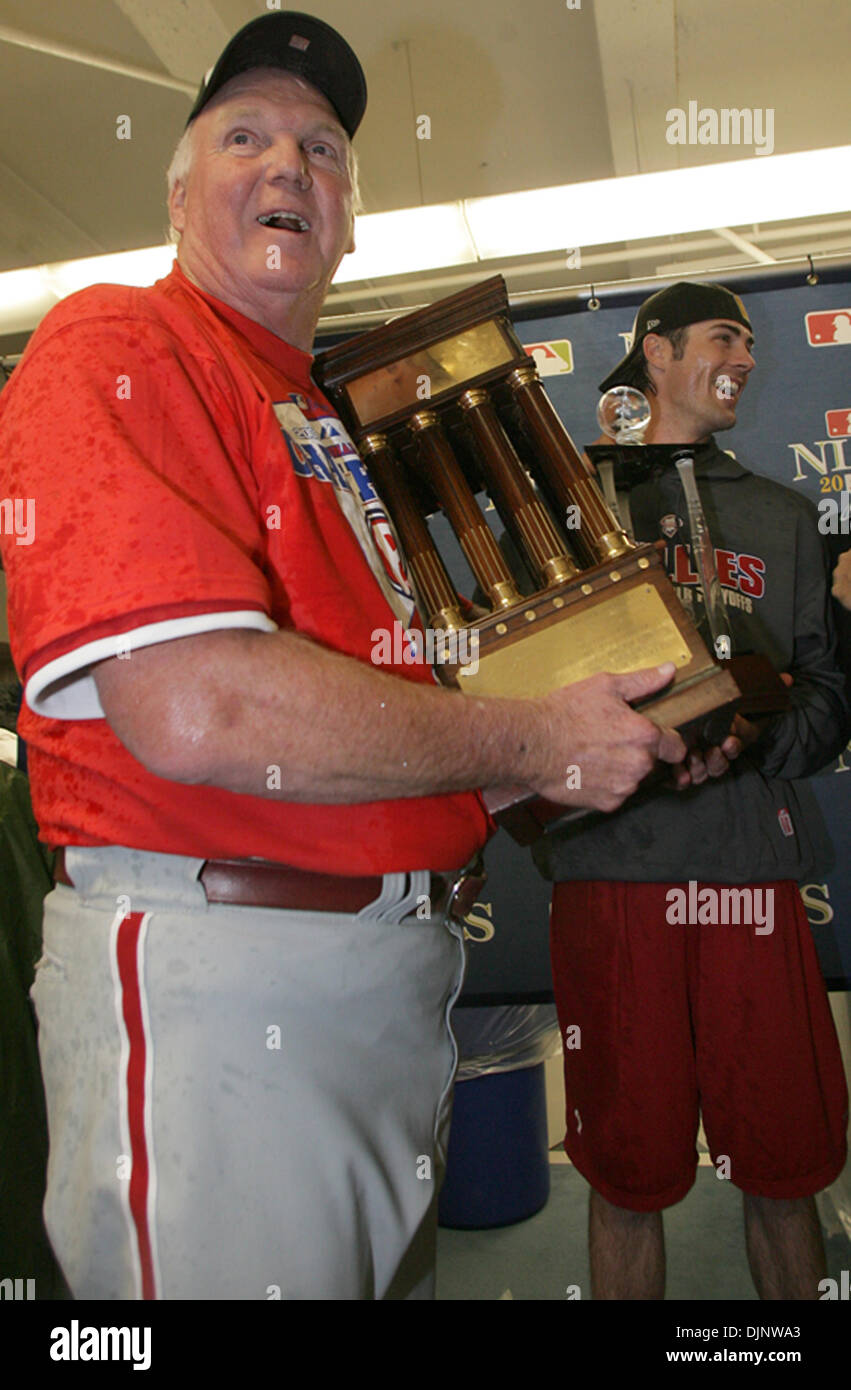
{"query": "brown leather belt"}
(258, 883)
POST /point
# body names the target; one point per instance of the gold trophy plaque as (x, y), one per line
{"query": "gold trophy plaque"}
(445, 405)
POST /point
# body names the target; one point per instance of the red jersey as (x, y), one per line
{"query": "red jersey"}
(184, 474)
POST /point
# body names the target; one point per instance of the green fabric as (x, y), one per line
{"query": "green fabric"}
(25, 879)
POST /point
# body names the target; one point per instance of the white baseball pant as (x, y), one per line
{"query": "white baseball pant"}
(242, 1102)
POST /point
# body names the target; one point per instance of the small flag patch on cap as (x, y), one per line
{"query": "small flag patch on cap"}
(298, 42)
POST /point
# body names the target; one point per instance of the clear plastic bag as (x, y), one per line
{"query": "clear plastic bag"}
(504, 1038)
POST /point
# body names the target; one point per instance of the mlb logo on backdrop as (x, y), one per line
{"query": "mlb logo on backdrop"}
(838, 423)
(552, 359)
(829, 327)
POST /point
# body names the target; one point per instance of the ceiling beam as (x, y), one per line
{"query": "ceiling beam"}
(35, 209)
(93, 60)
(186, 38)
(742, 244)
(638, 60)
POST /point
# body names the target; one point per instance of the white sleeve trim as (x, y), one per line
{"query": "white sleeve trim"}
(65, 688)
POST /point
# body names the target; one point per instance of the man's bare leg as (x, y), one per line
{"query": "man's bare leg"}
(627, 1251)
(785, 1246)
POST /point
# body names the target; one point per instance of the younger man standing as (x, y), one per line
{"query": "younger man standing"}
(680, 1016)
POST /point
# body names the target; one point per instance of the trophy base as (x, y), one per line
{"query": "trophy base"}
(618, 617)
(701, 724)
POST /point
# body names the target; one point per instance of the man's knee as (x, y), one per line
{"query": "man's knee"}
(608, 1214)
(781, 1209)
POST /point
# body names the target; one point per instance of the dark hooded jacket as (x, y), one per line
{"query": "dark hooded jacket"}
(759, 822)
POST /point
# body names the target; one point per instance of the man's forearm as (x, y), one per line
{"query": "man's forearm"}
(330, 728)
(275, 714)
(341, 731)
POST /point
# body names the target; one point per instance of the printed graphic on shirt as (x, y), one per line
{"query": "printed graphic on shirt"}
(320, 447)
(741, 576)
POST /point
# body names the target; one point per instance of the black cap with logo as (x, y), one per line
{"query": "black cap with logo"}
(676, 307)
(297, 43)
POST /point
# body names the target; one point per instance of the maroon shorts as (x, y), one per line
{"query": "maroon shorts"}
(674, 1019)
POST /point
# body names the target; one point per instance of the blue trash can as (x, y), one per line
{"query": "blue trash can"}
(498, 1168)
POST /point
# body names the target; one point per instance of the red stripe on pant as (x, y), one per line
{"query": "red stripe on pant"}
(127, 955)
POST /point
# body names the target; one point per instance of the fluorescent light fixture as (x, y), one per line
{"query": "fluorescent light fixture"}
(412, 239)
(122, 268)
(769, 188)
(763, 188)
(20, 289)
(25, 297)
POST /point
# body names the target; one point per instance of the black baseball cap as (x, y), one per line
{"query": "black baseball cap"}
(676, 307)
(308, 48)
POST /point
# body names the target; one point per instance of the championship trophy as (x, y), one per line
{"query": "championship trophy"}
(445, 405)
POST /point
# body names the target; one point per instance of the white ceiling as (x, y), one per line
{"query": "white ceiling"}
(519, 96)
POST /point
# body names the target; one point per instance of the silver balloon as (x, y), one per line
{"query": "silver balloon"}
(624, 414)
